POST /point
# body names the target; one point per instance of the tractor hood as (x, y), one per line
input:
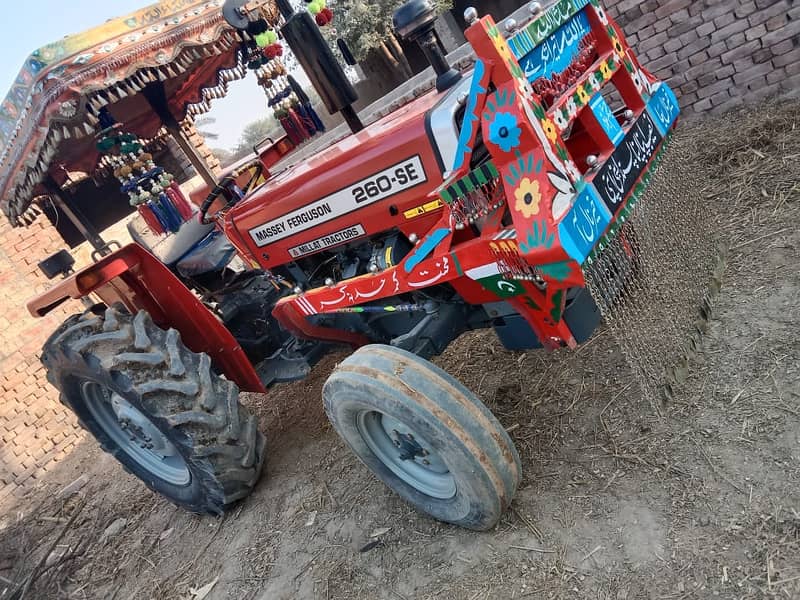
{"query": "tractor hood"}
(370, 182)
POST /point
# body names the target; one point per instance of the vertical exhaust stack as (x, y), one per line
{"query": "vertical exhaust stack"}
(312, 52)
(414, 21)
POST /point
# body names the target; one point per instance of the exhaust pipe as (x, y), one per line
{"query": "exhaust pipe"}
(414, 21)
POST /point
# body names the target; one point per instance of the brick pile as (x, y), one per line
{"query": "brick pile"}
(35, 429)
(716, 54)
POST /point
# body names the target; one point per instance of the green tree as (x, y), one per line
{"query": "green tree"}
(366, 27)
(201, 124)
(253, 133)
(224, 156)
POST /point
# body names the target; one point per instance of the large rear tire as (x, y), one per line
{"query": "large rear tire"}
(424, 435)
(157, 407)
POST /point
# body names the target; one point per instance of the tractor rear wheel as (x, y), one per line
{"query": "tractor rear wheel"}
(424, 435)
(157, 407)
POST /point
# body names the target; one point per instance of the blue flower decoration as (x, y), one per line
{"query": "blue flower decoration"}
(504, 131)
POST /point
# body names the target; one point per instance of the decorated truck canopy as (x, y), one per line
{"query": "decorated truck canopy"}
(51, 114)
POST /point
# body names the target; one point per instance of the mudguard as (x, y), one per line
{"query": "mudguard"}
(135, 278)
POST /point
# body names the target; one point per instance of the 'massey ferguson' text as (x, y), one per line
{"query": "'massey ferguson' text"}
(294, 222)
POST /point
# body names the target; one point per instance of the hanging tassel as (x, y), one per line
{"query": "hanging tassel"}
(171, 216)
(176, 203)
(307, 125)
(318, 124)
(298, 123)
(291, 130)
(150, 219)
(180, 200)
(158, 211)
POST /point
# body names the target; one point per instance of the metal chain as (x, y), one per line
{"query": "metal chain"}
(655, 277)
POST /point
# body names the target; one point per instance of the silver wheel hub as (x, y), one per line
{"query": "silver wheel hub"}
(141, 429)
(407, 454)
(135, 434)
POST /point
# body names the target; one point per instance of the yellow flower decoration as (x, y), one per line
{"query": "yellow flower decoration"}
(583, 97)
(502, 48)
(528, 197)
(618, 48)
(550, 130)
(605, 70)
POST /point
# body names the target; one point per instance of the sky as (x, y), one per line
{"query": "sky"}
(33, 24)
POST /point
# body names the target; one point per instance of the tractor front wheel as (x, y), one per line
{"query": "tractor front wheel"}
(157, 407)
(424, 435)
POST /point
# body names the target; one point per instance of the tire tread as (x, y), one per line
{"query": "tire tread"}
(176, 386)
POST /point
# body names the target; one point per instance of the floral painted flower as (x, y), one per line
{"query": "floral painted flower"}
(571, 106)
(565, 193)
(550, 130)
(525, 90)
(528, 197)
(640, 81)
(628, 64)
(572, 170)
(561, 119)
(594, 81)
(502, 48)
(637, 81)
(601, 14)
(504, 131)
(605, 70)
(582, 97)
(618, 48)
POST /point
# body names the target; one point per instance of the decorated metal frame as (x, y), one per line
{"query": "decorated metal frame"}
(567, 165)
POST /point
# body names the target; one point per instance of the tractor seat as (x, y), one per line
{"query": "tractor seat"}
(171, 247)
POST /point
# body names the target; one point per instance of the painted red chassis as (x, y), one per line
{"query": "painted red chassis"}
(443, 254)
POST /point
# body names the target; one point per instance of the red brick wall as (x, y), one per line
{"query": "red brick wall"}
(716, 54)
(35, 430)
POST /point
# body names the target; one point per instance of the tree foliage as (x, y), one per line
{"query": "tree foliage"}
(201, 124)
(255, 132)
(224, 156)
(367, 25)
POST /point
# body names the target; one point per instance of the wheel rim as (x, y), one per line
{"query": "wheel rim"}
(407, 454)
(135, 434)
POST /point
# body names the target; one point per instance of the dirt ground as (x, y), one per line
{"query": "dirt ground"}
(617, 503)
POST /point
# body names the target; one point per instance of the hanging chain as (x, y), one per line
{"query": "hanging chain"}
(654, 278)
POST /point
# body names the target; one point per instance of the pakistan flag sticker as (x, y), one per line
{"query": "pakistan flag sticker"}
(490, 278)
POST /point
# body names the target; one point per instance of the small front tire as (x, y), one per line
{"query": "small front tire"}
(424, 435)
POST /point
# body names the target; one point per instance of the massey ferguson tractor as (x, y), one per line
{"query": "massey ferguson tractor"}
(477, 205)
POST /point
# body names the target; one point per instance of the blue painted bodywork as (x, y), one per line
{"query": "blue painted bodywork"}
(584, 224)
(558, 51)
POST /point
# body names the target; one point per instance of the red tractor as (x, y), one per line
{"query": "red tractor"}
(474, 206)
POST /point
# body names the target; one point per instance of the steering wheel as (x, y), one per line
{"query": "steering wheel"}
(225, 187)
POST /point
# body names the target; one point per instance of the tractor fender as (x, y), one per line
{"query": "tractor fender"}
(137, 279)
